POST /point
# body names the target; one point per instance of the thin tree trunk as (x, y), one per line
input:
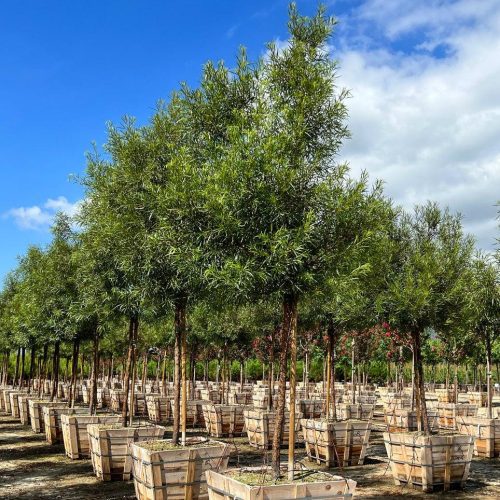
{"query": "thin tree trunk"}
(134, 374)
(179, 328)
(144, 371)
(488, 376)
(353, 374)
(412, 380)
(331, 404)
(23, 359)
(306, 374)
(55, 371)
(32, 367)
(288, 331)
(241, 374)
(74, 372)
(126, 377)
(95, 370)
(184, 398)
(422, 421)
(16, 373)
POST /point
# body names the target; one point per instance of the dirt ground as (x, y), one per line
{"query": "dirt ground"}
(31, 468)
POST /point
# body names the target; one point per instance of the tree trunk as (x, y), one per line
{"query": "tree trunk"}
(331, 405)
(423, 423)
(32, 367)
(270, 381)
(43, 371)
(55, 371)
(241, 374)
(184, 398)
(488, 375)
(74, 372)
(353, 374)
(287, 336)
(144, 371)
(306, 374)
(95, 371)
(179, 329)
(134, 374)
(23, 359)
(16, 373)
(126, 377)
(412, 380)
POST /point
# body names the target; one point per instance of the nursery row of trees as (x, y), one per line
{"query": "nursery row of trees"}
(228, 227)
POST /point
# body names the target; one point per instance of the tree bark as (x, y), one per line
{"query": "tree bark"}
(74, 372)
(422, 421)
(16, 373)
(23, 359)
(179, 330)
(488, 375)
(288, 331)
(134, 373)
(353, 374)
(95, 372)
(32, 367)
(126, 377)
(55, 371)
(331, 404)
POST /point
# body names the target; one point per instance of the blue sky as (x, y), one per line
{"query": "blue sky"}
(424, 113)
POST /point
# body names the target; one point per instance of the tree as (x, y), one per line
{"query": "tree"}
(114, 219)
(283, 210)
(484, 303)
(426, 287)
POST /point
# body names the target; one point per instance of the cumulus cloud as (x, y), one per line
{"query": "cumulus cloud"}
(428, 125)
(41, 217)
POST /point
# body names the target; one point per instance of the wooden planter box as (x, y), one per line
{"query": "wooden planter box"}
(363, 399)
(479, 399)
(240, 398)
(208, 395)
(446, 395)
(406, 420)
(14, 403)
(52, 421)
(194, 413)
(396, 402)
(260, 401)
(429, 462)
(224, 420)
(75, 435)
(224, 486)
(310, 408)
(36, 413)
(24, 409)
(5, 396)
(334, 443)
(355, 411)
(260, 428)
(176, 472)
(159, 409)
(103, 397)
(486, 434)
(140, 409)
(109, 448)
(86, 394)
(117, 397)
(448, 413)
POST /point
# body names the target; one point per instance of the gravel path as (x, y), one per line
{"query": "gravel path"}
(31, 468)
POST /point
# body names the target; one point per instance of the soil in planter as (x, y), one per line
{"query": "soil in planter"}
(266, 478)
(164, 445)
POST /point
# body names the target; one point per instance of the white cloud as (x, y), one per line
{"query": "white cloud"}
(39, 218)
(429, 126)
